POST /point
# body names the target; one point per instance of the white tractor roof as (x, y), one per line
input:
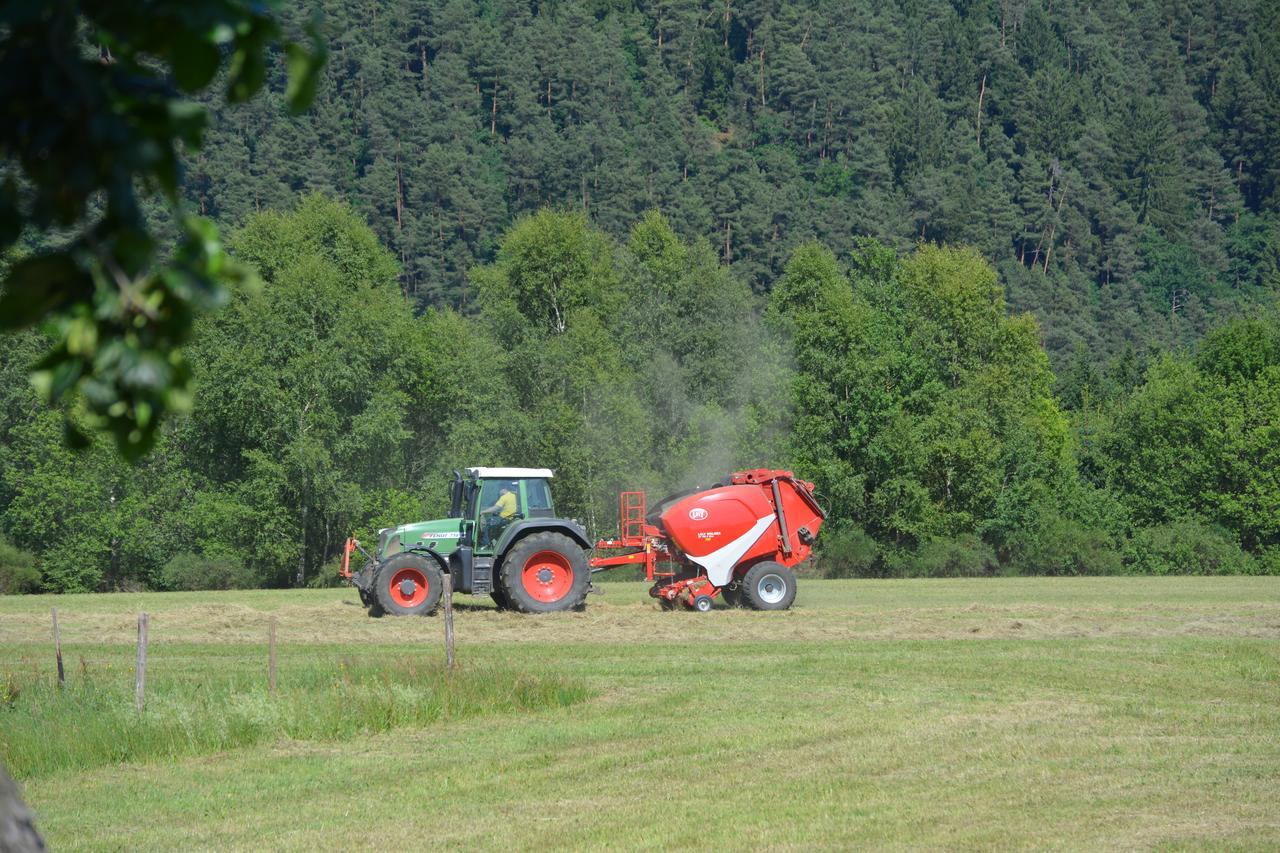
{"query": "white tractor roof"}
(509, 473)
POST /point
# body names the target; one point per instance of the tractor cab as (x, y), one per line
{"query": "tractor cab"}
(491, 501)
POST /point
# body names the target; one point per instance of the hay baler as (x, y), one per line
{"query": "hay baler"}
(739, 540)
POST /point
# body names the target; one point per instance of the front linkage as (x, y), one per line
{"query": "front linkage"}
(363, 580)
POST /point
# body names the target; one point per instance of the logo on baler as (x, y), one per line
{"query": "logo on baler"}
(697, 513)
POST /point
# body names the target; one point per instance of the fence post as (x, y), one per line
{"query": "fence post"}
(140, 670)
(271, 658)
(57, 649)
(448, 619)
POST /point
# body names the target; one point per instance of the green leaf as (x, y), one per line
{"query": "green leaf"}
(10, 214)
(40, 285)
(188, 120)
(195, 60)
(75, 439)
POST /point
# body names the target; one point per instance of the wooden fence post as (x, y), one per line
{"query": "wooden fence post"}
(57, 649)
(448, 620)
(140, 670)
(271, 658)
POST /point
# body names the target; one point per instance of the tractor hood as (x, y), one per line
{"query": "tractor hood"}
(441, 533)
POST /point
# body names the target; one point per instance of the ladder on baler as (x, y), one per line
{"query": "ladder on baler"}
(631, 524)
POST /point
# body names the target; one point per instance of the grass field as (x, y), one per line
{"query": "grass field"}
(1073, 713)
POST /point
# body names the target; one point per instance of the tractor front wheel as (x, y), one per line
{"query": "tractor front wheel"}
(409, 585)
(545, 573)
(769, 586)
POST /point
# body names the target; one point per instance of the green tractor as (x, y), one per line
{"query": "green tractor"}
(502, 538)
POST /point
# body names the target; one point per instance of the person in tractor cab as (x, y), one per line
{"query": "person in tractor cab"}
(498, 516)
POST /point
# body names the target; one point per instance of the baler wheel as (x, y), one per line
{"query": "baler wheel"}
(545, 573)
(701, 603)
(409, 585)
(769, 586)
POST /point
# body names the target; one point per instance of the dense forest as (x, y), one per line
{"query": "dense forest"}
(1000, 277)
(1118, 163)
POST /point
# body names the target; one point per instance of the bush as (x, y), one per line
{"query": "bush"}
(328, 576)
(75, 565)
(1063, 546)
(964, 556)
(848, 553)
(1187, 547)
(206, 571)
(1268, 562)
(18, 572)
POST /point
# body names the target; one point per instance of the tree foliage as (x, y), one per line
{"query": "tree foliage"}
(999, 277)
(1091, 154)
(98, 118)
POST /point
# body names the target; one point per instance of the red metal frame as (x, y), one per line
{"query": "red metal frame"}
(631, 512)
(636, 533)
(344, 571)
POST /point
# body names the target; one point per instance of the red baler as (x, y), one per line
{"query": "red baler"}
(739, 540)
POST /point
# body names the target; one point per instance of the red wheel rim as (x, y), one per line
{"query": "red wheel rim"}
(408, 587)
(547, 576)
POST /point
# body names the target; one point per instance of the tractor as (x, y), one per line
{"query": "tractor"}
(523, 556)
(738, 540)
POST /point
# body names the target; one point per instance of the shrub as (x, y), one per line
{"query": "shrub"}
(963, 556)
(75, 565)
(848, 553)
(328, 576)
(1268, 562)
(189, 571)
(18, 572)
(1064, 546)
(1186, 547)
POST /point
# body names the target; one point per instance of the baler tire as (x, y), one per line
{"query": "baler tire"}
(701, 604)
(563, 561)
(421, 572)
(761, 581)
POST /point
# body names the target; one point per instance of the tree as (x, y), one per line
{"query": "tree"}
(305, 410)
(116, 75)
(920, 404)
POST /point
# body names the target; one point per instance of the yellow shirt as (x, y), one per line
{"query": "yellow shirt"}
(506, 505)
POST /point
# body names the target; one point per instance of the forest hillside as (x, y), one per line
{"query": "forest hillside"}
(1001, 278)
(1118, 163)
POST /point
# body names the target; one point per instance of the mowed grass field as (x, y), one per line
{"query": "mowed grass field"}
(1068, 713)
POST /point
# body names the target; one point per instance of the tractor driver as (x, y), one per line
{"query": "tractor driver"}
(500, 514)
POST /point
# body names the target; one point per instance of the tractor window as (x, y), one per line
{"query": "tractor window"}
(489, 493)
(539, 498)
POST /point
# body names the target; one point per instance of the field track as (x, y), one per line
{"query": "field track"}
(1073, 713)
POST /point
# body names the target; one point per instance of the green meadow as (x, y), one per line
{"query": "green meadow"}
(1065, 713)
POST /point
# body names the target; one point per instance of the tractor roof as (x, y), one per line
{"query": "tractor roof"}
(509, 473)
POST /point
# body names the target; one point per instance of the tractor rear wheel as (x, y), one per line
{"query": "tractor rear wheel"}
(545, 573)
(769, 586)
(409, 585)
(500, 598)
